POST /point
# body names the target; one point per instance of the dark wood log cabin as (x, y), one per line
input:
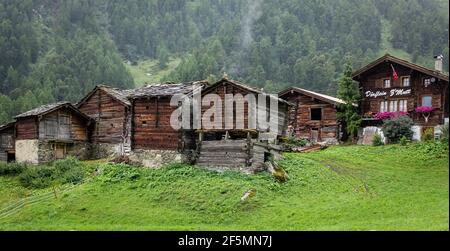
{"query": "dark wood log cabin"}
(243, 147)
(151, 113)
(52, 132)
(313, 116)
(416, 86)
(111, 110)
(7, 142)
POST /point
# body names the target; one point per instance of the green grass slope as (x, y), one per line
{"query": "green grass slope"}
(341, 188)
(148, 71)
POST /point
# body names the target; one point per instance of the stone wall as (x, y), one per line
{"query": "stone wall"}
(27, 151)
(104, 150)
(157, 158)
(79, 150)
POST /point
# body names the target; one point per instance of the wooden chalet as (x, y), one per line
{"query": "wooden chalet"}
(111, 110)
(7, 142)
(236, 148)
(313, 116)
(151, 113)
(51, 132)
(415, 86)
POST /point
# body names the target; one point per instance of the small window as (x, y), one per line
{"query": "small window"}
(406, 82)
(426, 101)
(383, 106)
(403, 105)
(316, 114)
(147, 108)
(144, 122)
(112, 125)
(387, 83)
(427, 82)
(393, 106)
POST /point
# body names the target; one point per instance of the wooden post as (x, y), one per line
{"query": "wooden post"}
(132, 143)
(249, 147)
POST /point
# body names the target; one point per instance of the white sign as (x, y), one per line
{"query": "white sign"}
(392, 93)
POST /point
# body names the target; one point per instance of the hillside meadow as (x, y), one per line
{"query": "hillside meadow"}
(341, 188)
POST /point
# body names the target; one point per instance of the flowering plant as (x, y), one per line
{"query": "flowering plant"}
(389, 115)
(425, 111)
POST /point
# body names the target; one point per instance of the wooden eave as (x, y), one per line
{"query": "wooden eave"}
(390, 58)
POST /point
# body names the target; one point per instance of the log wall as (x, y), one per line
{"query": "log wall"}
(373, 81)
(7, 142)
(229, 88)
(63, 124)
(151, 125)
(110, 116)
(300, 120)
(27, 128)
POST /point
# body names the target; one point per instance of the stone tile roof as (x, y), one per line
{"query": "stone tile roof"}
(165, 89)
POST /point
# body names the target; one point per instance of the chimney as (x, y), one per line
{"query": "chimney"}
(438, 63)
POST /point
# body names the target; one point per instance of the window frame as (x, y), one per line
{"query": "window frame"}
(426, 96)
(311, 113)
(425, 80)
(385, 104)
(395, 102)
(384, 83)
(409, 81)
(400, 101)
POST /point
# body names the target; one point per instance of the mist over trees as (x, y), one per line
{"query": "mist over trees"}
(59, 50)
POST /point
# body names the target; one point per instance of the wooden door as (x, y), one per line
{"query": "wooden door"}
(314, 135)
(60, 151)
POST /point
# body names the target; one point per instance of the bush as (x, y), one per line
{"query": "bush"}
(428, 135)
(11, 168)
(396, 128)
(294, 141)
(65, 171)
(37, 177)
(377, 141)
(444, 133)
(113, 173)
(432, 149)
(62, 166)
(404, 141)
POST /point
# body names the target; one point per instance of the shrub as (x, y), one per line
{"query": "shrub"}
(62, 166)
(37, 177)
(113, 173)
(69, 170)
(428, 135)
(11, 168)
(65, 171)
(404, 141)
(444, 133)
(74, 175)
(294, 141)
(377, 141)
(396, 128)
(431, 149)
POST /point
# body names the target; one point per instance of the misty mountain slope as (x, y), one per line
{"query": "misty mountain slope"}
(59, 50)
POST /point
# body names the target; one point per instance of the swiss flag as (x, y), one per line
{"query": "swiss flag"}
(394, 74)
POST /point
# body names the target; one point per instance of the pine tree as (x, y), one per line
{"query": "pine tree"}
(348, 113)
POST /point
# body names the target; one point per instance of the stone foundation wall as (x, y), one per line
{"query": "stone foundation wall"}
(157, 158)
(27, 151)
(103, 150)
(79, 150)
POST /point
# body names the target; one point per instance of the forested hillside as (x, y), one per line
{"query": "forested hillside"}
(59, 50)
